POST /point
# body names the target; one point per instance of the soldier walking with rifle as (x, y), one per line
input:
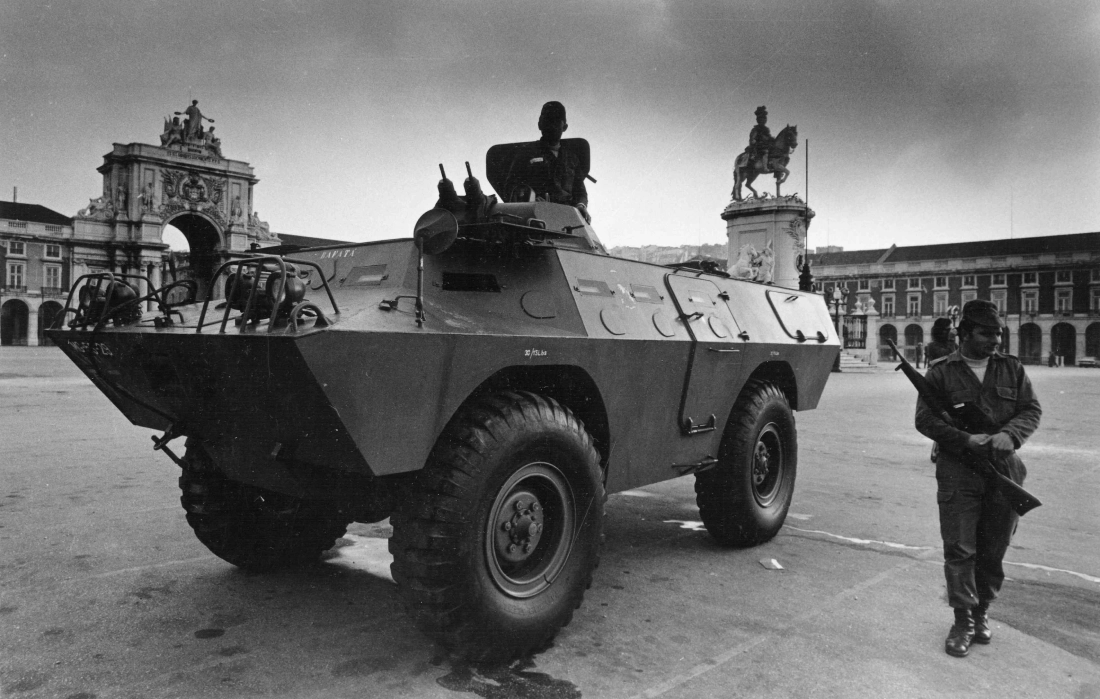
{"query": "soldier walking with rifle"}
(978, 405)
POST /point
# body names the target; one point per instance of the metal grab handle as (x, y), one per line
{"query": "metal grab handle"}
(691, 316)
(724, 351)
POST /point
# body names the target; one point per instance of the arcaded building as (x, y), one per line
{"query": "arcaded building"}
(1047, 288)
(36, 267)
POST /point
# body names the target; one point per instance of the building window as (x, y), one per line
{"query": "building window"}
(969, 280)
(968, 295)
(1031, 277)
(914, 282)
(17, 247)
(941, 282)
(888, 284)
(1000, 300)
(864, 284)
(939, 304)
(1063, 300)
(15, 274)
(1063, 276)
(1096, 275)
(52, 276)
(1029, 302)
(53, 251)
(999, 279)
(1094, 302)
(888, 305)
(914, 305)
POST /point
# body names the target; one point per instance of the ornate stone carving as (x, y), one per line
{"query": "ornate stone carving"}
(190, 133)
(259, 229)
(753, 265)
(189, 191)
(99, 209)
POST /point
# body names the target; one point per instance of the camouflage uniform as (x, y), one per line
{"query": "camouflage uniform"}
(976, 523)
(555, 178)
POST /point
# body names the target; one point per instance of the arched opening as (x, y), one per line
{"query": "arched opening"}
(1063, 342)
(1006, 345)
(13, 323)
(913, 334)
(1031, 344)
(1092, 340)
(202, 254)
(886, 332)
(47, 315)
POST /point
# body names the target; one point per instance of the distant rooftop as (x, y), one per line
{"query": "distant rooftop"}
(982, 248)
(35, 213)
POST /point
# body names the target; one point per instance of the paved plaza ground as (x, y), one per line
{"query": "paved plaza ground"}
(105, 592)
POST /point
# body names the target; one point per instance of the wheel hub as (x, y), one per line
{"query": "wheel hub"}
(520, 526)
(530, 529)
(767, 465)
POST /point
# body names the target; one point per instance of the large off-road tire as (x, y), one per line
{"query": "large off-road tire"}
(253, 528)
(496, 542)
(744, 499)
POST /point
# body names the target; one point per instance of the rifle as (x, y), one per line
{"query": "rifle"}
(1020, 500)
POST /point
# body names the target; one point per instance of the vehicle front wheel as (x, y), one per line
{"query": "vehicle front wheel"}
(496, 544)
(250, 527)
(744, 499)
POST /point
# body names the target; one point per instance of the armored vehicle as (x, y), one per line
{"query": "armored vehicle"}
(484, 384)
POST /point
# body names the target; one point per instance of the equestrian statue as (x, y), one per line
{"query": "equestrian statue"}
(764, 155)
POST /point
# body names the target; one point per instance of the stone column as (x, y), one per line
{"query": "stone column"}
(767, 239)
(32, 324)
(872, 335)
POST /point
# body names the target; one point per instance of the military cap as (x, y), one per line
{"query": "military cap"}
(761, 111)
(552, 110)
(984, 313)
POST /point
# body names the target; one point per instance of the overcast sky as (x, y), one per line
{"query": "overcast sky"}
(927, 121)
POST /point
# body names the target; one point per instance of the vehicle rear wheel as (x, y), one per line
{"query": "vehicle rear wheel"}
(744, 499)
(250, 527)
(496, 543)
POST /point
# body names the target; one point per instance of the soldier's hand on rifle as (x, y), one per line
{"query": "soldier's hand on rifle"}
(997, 445)
(1002, 445)
(584, 212)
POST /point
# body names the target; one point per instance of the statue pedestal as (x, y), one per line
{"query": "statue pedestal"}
(767, 239)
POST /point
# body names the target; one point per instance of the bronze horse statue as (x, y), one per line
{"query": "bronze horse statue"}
(746, 169)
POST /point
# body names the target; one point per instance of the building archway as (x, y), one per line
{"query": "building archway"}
(206, 249)
(1063, 342)
(913, 334)
(1006, 345)
(1092, 340)
(13, 322)
(886, 332)
(1031, 344)
(47, 315)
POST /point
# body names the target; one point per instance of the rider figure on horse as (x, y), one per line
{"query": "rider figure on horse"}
(760, 139)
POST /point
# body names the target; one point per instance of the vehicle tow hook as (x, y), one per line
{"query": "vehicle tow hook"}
(162, 445)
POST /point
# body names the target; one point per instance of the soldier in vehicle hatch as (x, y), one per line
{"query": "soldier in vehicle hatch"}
(547, 169)
(976, 521)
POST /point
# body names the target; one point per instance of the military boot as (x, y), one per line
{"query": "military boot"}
(982, 632)
(960, 635)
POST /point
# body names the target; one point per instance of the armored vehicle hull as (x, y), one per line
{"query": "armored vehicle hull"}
(487, 398)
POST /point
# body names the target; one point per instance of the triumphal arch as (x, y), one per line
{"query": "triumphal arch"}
(186, 182)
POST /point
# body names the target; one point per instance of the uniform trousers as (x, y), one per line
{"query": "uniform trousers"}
(976, 524)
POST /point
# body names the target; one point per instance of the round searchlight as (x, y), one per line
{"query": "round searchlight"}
(435, 231)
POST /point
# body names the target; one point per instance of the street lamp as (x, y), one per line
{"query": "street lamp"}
(837, 298)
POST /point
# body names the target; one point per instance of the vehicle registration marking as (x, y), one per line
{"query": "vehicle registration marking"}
(534, 353)
(95, 347)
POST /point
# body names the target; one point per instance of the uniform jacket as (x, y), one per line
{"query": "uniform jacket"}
(1005, 397)
(554, 178)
